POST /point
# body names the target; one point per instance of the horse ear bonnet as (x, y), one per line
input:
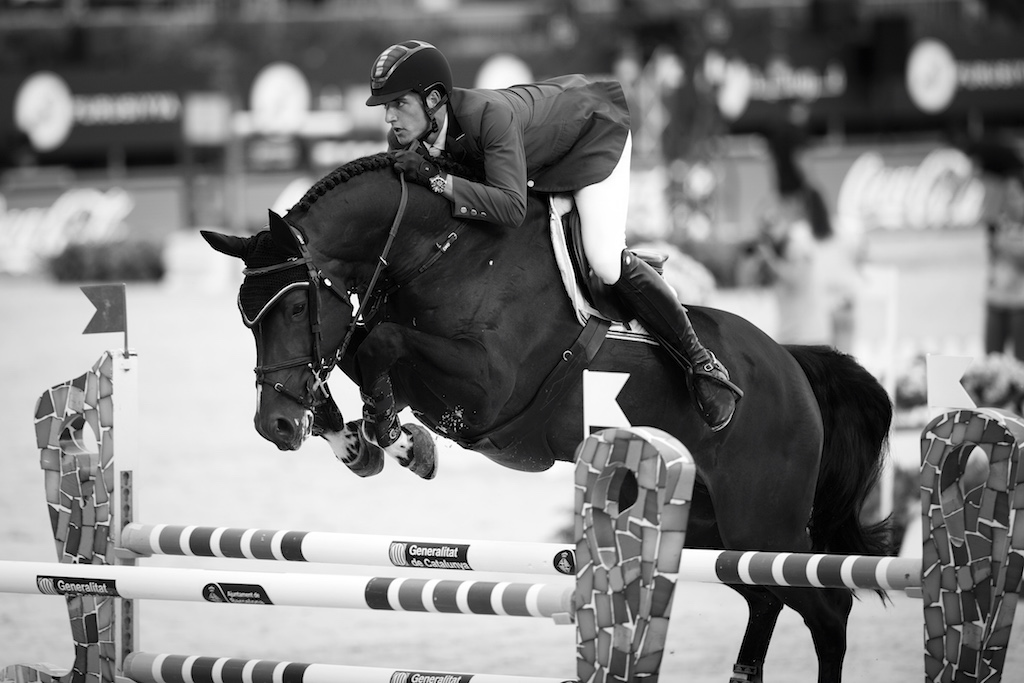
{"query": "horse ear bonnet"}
(260, 291)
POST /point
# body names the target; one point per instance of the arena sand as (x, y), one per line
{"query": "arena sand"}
(203, 463)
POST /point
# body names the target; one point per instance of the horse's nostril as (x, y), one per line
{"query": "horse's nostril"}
(283, 427)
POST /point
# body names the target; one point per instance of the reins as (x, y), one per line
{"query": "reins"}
(382, 263)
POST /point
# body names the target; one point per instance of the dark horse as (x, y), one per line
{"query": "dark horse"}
(468, 320)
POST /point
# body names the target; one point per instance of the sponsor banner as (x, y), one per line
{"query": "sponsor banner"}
(946, 74)
(884, 188)
(80, 112)
(77, 216)
(430, 555)
(70, 116)
(236, 593)
(38, 221)
(428, 677)
(63, 585)
(894, 79)
(940, 191)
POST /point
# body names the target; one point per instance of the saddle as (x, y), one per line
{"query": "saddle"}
(587, 293)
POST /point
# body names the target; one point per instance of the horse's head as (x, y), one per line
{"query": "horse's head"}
(297, 326)
(344, 226)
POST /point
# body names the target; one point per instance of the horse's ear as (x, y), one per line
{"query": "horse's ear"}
(282, 233)
(227, 244)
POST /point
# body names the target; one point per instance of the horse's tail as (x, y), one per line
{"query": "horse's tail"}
(856, 413)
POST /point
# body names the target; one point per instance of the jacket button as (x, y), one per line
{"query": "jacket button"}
(529, 183)
(463, 209)
(473, 212)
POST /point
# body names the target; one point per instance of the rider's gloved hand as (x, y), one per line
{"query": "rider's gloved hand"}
(415, 167)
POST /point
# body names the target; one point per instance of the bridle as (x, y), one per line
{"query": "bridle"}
(320, 364)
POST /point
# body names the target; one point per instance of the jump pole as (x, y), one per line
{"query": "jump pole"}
(145, 667)
(698, 565)
(621, 612)
(408, 552)
(290, 589)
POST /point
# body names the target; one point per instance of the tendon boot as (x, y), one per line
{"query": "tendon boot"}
(656, 306)
(381, 431)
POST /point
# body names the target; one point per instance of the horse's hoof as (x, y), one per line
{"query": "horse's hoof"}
(414, 450)
(357, 453)
(422, 453)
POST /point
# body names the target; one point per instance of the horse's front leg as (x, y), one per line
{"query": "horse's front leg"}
(353, 449)
(345, 441)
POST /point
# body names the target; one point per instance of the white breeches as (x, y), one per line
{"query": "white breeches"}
(603, 209)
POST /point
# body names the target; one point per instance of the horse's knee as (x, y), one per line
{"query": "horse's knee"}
(382, 347)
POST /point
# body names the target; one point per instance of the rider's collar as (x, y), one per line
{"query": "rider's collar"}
(437, 147)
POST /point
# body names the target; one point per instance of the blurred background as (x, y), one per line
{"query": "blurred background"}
(132, 123)
(128, 125)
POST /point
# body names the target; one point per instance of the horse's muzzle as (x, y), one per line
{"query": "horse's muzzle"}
(288, 434)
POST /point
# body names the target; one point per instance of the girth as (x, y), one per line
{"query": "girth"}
(526, 430)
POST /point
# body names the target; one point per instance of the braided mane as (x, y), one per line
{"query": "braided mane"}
(374, 162)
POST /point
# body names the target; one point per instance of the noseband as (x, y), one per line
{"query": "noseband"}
(320, 364)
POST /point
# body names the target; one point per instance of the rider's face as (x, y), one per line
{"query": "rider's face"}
(407, 118)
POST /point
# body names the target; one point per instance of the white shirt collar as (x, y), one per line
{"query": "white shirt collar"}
(436, 148)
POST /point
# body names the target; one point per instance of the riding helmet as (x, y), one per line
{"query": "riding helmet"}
(412, 66)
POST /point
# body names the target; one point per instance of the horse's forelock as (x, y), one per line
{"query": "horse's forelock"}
(258, 291)
(264, 250)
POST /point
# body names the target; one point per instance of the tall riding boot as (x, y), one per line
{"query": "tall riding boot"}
(658, 309)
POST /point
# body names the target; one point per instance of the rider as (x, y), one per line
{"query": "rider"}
(567, 134)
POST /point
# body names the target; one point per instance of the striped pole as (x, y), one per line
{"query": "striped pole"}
(144, 667)
(296, 590)
(800, 569)
(351, 549)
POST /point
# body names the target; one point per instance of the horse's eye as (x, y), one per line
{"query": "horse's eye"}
(298, 310)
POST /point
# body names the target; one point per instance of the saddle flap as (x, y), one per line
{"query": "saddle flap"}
(599, 295)
(589, 295)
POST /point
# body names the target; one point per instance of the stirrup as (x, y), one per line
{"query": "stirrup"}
(691, 384)
(707, 369)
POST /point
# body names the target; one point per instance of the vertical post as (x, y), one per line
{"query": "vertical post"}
(633, 490)
(88, 504)
(125, 378)
(973, 553)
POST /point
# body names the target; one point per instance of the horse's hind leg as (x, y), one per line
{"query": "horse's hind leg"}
(825, 611)
(763, 606)
(764, 613)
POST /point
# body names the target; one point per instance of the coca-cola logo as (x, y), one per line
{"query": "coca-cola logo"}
(80, 215)
(940, 192)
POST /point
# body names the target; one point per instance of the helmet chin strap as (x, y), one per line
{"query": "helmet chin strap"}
(430, 111)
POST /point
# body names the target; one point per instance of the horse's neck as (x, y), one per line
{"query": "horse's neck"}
(349, 224)
(431, 240)
(488, 263)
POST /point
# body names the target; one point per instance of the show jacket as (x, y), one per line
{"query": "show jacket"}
(558, 135)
